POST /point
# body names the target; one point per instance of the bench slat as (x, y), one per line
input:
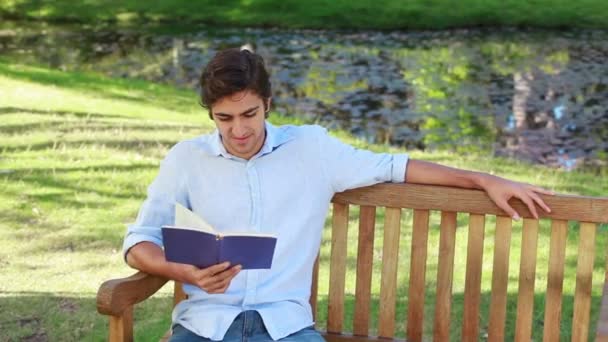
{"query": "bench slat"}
(527, 277)
(335, 314)
(314, 289)
(472, 291)
(500, 278)
(388, 282)
(584, 272)
(121, 327)
(365, 255)
(445, 271)
(178, 293)
(415, 307)
(555, 279)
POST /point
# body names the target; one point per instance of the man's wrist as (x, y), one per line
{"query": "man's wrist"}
(480, 180)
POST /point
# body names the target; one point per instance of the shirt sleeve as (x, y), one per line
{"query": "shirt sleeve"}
(348, 167)
(159, 207)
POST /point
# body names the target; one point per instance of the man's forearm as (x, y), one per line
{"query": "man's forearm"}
(148, 257)
(422, 172)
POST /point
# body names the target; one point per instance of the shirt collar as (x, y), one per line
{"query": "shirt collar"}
(275, 137)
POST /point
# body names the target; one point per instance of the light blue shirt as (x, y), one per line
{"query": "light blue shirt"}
(285, 190)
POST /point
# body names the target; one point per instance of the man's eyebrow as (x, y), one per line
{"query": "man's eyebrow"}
(244, 112)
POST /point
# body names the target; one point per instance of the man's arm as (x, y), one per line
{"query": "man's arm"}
(499, 189)
(148, 257)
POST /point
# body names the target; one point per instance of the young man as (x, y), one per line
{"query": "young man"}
(251, 175)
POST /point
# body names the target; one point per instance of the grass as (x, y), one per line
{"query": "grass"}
(355, 14)
(77, 152)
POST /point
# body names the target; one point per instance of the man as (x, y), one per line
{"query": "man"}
(251, 175)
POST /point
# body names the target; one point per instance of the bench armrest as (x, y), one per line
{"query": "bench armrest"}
(602, 323)
(116, 295)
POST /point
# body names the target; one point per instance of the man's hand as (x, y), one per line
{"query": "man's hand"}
(213, 279)
(150, 258)
(500, 190)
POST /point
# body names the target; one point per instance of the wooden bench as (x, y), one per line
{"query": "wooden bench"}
(116, 298)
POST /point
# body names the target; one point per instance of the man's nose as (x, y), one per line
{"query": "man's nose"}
(239, 129)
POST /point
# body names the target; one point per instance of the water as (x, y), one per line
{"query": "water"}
(540, 96)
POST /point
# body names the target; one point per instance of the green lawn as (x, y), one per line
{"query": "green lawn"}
(387, 14)
(77, 152)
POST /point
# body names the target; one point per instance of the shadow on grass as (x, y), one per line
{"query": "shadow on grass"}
(43, 178)
(64, 127)
(47, 316)
(122, 145)
(87, 115)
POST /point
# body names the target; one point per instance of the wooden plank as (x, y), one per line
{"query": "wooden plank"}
(584, 272)
(331, 337)
(121, 326)
(555, 279)
(388, 282)
(365, 255)
(337, 274)
(415, 308)
(500, 279)
(178, 293)
(116, 295)
(445, 272)
(314, 289)
(472, 291)
(167, 336)
(527, 277)
(417, 196)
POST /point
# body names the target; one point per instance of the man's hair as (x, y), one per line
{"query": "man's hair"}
(231, 71)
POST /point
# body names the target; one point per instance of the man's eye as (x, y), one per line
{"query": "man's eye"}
(250, 115)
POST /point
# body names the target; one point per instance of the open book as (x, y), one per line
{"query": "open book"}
(193, 241)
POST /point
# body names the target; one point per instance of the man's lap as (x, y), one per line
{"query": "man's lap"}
(256, 332)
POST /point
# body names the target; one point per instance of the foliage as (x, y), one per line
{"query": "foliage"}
(386, 14)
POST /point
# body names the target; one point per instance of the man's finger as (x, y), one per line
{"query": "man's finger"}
(540, 190)
(215, 269)
(211, 282)
(220, 287)
(228, 274)
(540, 202)
(504, 205)
(528, 201)
(212, 270)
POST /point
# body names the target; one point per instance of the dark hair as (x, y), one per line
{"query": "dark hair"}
(231, 71)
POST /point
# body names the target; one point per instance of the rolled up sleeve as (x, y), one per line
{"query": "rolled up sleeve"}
(159, 207)
(399, 167)
(348, 167)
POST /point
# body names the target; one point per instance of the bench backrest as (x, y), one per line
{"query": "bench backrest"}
(400, 302)
(396, 301)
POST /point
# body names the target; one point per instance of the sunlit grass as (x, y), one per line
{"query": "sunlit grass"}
(77, 152)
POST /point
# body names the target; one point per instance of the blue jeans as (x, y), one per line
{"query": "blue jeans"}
(247, 327)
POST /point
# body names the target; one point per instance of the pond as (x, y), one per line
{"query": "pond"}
(539, 96)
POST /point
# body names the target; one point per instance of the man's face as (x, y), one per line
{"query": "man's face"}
(240, 120)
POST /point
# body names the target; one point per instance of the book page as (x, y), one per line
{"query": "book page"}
(184, 218)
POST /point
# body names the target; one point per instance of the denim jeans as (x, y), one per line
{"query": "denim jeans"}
(247, 327)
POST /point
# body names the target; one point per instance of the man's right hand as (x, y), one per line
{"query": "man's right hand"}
(150, 258)
(213, 279)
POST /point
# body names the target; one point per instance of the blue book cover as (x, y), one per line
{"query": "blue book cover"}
(193, 241)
